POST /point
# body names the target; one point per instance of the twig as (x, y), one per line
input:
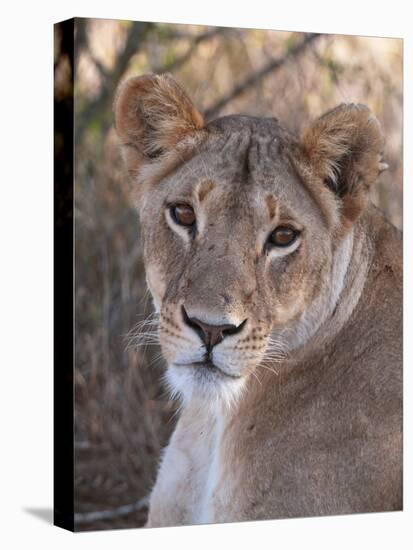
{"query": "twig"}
(252, 80)
(176, 63)
(125, 510)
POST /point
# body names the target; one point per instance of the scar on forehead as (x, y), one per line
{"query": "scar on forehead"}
(204, 188)
(272, 205)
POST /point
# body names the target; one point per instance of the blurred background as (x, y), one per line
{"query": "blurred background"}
(123, 416)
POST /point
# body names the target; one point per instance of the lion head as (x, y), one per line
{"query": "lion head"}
(247, 229)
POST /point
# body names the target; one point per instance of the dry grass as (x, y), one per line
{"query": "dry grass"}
(122, 418)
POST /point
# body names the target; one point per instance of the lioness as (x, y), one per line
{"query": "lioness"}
(279, 290)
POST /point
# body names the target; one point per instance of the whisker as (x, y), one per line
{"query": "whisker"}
(144, 333)
(256, 377)
(264, 366)
(156, 360)
(178, 410)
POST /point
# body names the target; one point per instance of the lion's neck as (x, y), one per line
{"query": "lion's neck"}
(338, 299)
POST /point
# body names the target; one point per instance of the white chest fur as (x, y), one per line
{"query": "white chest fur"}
(189, 473)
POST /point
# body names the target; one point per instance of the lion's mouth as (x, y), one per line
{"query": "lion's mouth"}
(209, 366)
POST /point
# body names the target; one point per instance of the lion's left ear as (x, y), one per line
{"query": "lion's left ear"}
(344, 149)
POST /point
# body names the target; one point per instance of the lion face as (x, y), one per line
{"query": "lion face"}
(235, 247)
(240, 232)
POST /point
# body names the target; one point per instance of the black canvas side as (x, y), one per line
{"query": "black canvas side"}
(63, 276)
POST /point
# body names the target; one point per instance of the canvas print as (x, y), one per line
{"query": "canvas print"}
(228, 274)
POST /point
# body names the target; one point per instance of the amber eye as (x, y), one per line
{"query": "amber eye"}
(283, 235)
(183, 214)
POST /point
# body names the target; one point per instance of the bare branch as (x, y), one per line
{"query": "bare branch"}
(253, 79)
(176, 63)
(100, 105)
(125, 510)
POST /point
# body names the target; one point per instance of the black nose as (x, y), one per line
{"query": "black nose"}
(211, 335)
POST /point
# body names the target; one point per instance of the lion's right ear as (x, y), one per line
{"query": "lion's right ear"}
(153, 115)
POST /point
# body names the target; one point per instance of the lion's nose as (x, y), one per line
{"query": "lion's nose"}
(211, 335)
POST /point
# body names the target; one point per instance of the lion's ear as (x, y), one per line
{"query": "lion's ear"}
(153, 114)
(344, 148)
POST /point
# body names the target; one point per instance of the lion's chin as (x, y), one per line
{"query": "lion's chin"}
(205, 382)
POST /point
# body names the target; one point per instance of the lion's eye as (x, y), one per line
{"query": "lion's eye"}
(283, 235)
(183, 214)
